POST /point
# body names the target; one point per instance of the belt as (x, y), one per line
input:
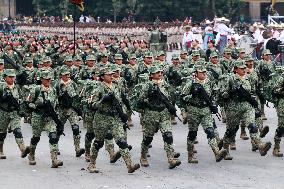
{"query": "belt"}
(111, 114)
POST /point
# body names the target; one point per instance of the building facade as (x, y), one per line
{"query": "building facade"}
(7, 8)
(258, 9)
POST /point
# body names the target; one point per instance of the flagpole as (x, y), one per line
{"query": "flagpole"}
(74, 30)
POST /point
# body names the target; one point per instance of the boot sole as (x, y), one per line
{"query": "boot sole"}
(116, 157)
(176, 155)
(266, 149)
(32, 163)
(3, 157)
(245, 138)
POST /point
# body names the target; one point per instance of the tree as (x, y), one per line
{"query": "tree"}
(117, 6)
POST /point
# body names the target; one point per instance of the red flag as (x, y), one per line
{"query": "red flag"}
(79, 3)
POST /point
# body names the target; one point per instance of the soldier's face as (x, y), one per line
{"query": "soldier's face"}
(157, 76)
(104, 59)
(1, 67)
(77, 63)
(118, 61)
(30, 64)
(46, 64)
(162, 58)
(227, 55)
(46, 82)
(175, 62)
(68, 63)
(242, 55)
(195, 58)
(148, 60)
(116, 74)
(65, 78)
(241, 71)
(201, 75)
(214, 60)
(266, 57)
(10, 80)
(90, 63)
(183, 56)
(132, 61)
(108, 78)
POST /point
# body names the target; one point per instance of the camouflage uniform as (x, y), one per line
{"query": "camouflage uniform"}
(107, 119)
(67, 109)
(240, 109)
(10, 98)
(41, 122)
(155, 117)
(199, 112)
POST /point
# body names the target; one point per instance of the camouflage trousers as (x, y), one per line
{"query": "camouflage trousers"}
(153, 122)
(279, 133)
(12, 120)
(90, 134)
(105, 125)
(237, 112)
(201, 116)
(39, 124)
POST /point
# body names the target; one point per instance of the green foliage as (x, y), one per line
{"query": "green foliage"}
(145, 10)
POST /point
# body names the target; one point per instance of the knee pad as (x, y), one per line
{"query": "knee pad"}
(109, 136)
(252, 128)
(75, 129)
(3, 136)
(147, 141)
(35, 140)
(98, 144)
(192, 135)
(168, 137)
(280, 132)
(90, 136)
(53, 139)
(18, 133)
(122, 144)
(210, 133)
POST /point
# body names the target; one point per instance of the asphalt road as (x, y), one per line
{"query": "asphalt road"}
(247, 170)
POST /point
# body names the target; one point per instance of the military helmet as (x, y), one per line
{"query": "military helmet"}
(195, 53)
(91, 58)
(200, 68)
(68, 58)
(118, 57)
(46, 75)
(161, 53)
(148, 54)
(105, 70)
(248, 58)
(266, 52)
(154, 69)
(46, 59)
(175, 57)
(240, 64)
(64, 70)
(9, 73)
(213, 54)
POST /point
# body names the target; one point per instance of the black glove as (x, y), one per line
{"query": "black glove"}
(172, 110)
(123, 117)
(257, 113)
(214, 109)
(107, 98)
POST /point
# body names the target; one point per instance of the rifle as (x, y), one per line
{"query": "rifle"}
(260, 95)
(245, 95)
(8, 98)
(50, 112)
(11, 62)
(170, 107)
(203, 94)
(265, 73)
(214, 73)
(174, 77)
(118, 107)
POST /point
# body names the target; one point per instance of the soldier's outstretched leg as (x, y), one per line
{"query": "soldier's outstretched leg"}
(76, 136)
(2, 138)
(20, 141)
(216, 133)
(254, 135)
(97, 145)
(144, 150)
(53, 145)
(168, 146)
(88, 143)
(229, 136)
(33, 144)
(243, 134)
(277, 139)
(124, 151)
(219, 154)
(190, 146)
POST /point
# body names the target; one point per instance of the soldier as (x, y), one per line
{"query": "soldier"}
(197, 95)
(106, 98)
(67, 99)
(277, 91)
(10, 99)
(46, 66)
(226, 61)
(241, 107)
(154, 40)
(1, 70)
(87, 70)
(153, 97)
(145, 64)
(39, 98)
